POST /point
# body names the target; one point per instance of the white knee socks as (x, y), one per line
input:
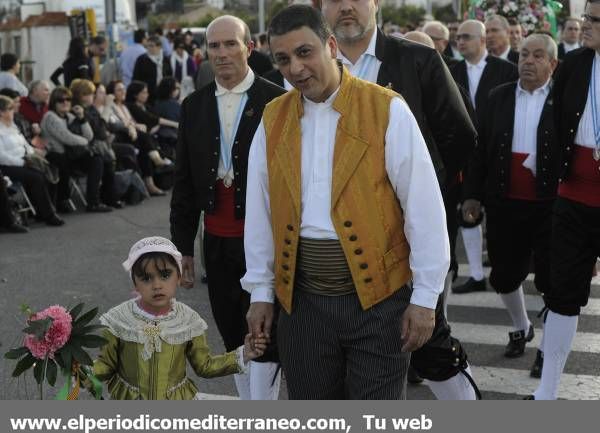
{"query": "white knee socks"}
(256, 384)
(473, 240)
(447, 286)
(559, 333)
(457, 387)
(263, 383)
(515, 305)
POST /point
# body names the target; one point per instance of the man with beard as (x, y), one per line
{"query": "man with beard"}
(418, 73)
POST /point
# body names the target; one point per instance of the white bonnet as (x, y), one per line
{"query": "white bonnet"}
(151, 245)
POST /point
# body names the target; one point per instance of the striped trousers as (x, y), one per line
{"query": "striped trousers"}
(330, 348)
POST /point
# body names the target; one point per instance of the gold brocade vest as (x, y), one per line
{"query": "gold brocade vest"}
(365, 211)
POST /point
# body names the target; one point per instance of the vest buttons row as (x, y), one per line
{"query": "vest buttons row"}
(353, 238)
(286, 281)
(287, 242)
(286, 254)
(368, 280)
(285, 267)
(290, 227)
(347, 223)
(364, 265)
(358, 251)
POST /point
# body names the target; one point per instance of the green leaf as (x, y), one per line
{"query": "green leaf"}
(66, 356)
(76, 310)
(23, 365)
(39, 371)
(16, 353)
(86, 329)
(51, 371)
(38, 328)
(87, 317)
(25, 309)
(81, 356)
(92, 341)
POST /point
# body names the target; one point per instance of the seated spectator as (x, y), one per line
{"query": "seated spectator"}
(183, 67)
(125, 153)
(77, 65)
(9, 69)
(33, 108)
(19, 120)
(127, 130)
(168, 107)
(153, 66)
(15, 154)
(69, 135)
(83, 95)
(137, 97)
(7, 220)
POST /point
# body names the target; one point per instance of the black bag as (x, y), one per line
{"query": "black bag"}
(39, 163)
(75, 153)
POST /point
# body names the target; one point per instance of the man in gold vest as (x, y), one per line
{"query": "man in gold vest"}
(345, 223)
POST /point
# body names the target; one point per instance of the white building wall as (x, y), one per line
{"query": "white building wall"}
(48, 49)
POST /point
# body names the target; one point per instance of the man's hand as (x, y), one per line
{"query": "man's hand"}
(417, 327)
(471, 209)
(254, 347)
(188, 275)
(260, 319)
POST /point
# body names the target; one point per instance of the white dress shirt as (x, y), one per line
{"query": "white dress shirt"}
(474, 73)
(585, 131)
(13, 146)
(367, 66)
(504, 55)
(528, 110)
(228, 103)
(569, 47)
(411, 174)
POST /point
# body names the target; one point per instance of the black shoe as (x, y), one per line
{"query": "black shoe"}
(538, 364)
(17, 228)
(529, 397)
(98, 208)
(117, 204)
(204, 279)
(54, 220)
(516, 342)
(471, 285)
(64, 207)
(413, 377)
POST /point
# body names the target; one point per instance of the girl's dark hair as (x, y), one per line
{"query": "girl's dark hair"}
(110, 89)
(158, 258)
(77, 49)
(59, 92)
(165, 88)
(134, 89)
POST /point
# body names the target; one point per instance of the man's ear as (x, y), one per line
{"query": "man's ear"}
(333, 48)
(250, 46)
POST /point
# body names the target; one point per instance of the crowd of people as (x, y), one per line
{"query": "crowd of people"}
(328, 175)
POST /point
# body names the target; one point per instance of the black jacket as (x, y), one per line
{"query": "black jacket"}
(571, 84)
(73, 68)
(488, 176)
(513, 56)
(145, 70)
(260, 63)
(419, 74)
(198, 154)
(496, 72)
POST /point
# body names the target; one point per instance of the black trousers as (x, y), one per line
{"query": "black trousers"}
(5, 214)
(330, 348)
(575, 249)
(36, 187)
(516, 230)
(91, 165)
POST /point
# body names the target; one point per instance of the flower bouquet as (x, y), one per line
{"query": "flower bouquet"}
(55, 338)
(534, 15)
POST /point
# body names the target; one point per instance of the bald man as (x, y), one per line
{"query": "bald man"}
(440, 35)
(478, 73)
(215, 132)
(497, 30)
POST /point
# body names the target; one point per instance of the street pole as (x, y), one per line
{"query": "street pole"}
(261, 16)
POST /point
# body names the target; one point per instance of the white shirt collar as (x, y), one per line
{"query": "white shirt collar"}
(571, 46)
(504, 55)
(481, 64)
(319, 105)
(369, 51)
(242, 87)
(545, 89)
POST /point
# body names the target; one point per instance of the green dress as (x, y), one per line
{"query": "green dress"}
(145, 357)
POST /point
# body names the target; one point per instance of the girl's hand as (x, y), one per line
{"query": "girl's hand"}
(254, 347)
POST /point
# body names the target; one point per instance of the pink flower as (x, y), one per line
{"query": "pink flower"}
(55, 338)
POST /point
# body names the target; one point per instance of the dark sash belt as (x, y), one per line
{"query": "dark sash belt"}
(322, 268)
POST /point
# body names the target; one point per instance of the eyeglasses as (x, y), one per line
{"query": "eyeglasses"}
(466, 36)
(62, 100)
(590, 18)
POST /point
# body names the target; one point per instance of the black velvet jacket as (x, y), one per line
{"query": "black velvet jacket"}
(488, 176)
(198, 154)
(419, 74)
(571, 84)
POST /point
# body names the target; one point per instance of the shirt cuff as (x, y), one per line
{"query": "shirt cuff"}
(262, 294)
(243, 367)
(424, 298)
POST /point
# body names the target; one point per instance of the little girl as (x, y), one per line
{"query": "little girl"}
(150, 338)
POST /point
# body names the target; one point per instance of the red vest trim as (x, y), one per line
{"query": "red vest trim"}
(583, 183)
(222, 222)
